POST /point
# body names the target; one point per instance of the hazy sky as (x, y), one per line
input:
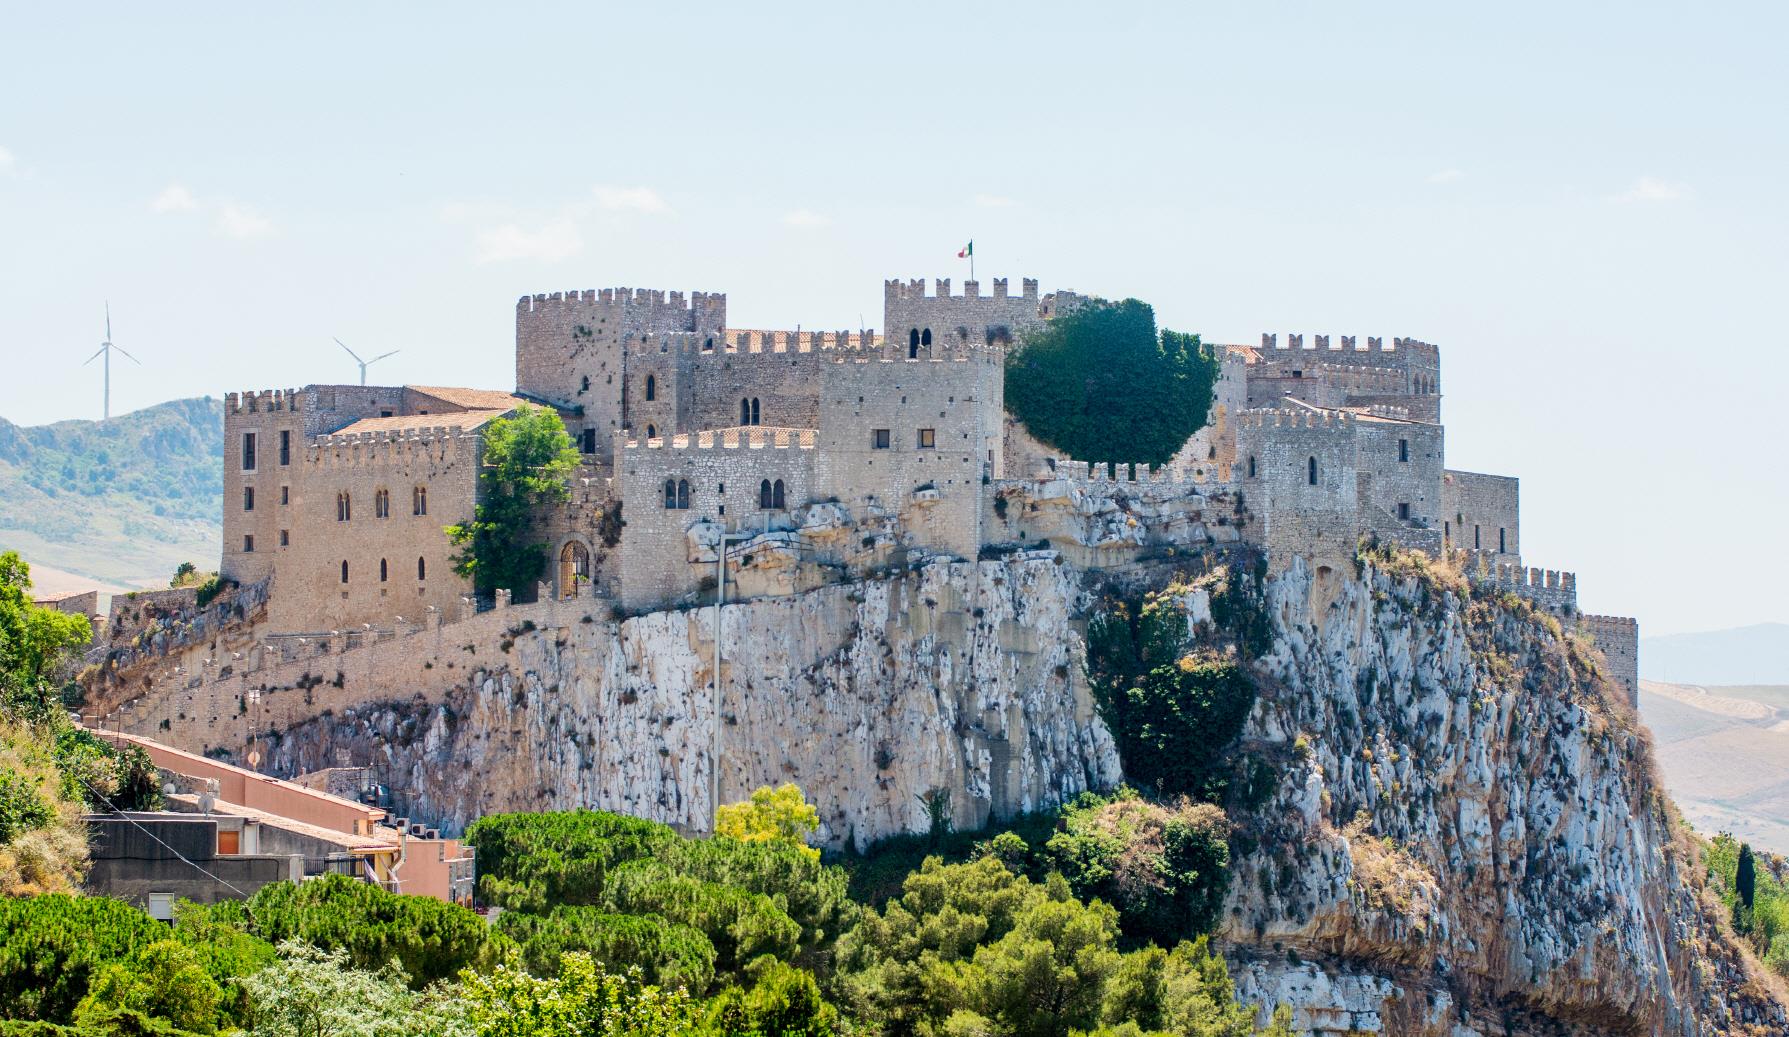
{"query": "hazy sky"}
(1584, 205)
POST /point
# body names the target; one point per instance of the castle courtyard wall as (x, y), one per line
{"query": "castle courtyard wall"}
(1482, 514)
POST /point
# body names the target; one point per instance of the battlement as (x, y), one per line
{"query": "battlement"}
(1294, 418)
(894, 290)
(748, 437)
(753, 340)
(412, 437)
(265, 400)
(647, 297)
(1549, 588)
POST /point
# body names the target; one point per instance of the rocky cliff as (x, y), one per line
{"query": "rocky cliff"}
(954, 687)
(1460, 833)
(1469, 837)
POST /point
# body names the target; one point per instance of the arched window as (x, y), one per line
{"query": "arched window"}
(584, 386)
(756, 420)
(422, 568)
(419, 501)
(745, 412)
(765, 500)
(913, 344)
(651, 388)
(574, 568)
(344, 570)
(381, 503)
(383, 572)
(670, 493)
(1251, 466)
(683, 494)
(708, 344)
(652, 432)
(343, 509)
(1311, 471)
(925, 337)
(777, 500)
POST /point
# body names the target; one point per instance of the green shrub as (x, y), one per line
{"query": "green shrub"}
(1165, 868)
(667, 954)
(1099, 383)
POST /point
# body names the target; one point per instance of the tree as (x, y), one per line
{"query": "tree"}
(782, 814)
(1099, 383)
(782, 1000)
(316, 993)
(185, 573)
(1746, 878)
(528, 461)
(1164, 866)
(581, 1001)
(34, 641)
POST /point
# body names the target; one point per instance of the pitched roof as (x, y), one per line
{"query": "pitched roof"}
(471, 399)
(461, 419)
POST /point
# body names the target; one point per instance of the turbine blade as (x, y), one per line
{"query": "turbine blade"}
(108, 320)
(96, 354)
(133, 359)
(350, 352)
(382, 356)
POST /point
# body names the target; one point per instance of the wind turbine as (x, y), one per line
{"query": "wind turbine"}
(106, 349)
(364, 364)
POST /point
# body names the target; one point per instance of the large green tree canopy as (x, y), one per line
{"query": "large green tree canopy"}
(1101, 384)
(528, 461)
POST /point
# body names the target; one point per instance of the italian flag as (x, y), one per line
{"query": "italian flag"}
(966, 251)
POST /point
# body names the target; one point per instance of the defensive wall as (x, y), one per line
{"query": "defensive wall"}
(1415, 366)
(1618, 637)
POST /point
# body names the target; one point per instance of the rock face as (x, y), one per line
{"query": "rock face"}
(1462, 834)
(958, 683)
(1468, 815)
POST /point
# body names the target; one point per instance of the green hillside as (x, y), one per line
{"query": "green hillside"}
(121, 501)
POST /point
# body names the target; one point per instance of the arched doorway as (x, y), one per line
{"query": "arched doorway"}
(574, 568)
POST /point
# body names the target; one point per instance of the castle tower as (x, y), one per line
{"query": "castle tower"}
(572, 347)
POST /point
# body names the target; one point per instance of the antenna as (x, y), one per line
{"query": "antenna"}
(106, 349)
(364, 364)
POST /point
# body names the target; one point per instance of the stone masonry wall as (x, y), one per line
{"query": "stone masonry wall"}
(1483, 513)
(310, 593)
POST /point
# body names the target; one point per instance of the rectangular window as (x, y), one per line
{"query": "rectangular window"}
(285, 495)
(879, 439)
(285, 538)
(1475, 544)
(928, 438)
(248, 543)
(248, 498)
(589, 441)
(1403, 450)
(1404, 511)
(385, 414)
(285, 446)
(248, 451)
(1502, 547)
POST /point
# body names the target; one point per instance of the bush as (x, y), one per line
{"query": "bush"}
(1165, 868)
(1173, 708)
(667, 954)
(1100, 384)
(429, 939)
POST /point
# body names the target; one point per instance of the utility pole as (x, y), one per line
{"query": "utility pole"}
(714, 748)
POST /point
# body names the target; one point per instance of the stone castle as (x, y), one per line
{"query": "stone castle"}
(803, 458)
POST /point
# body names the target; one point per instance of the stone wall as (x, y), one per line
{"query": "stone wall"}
(916, 323)
(1618, 638)
(1298, 474)
(1482, 513)
(397, 564)
(1401, 463)
(725, 472)
(571, 347)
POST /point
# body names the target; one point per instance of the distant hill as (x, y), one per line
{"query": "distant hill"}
(1756, 654)
(1724, 751)
(121, 501)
